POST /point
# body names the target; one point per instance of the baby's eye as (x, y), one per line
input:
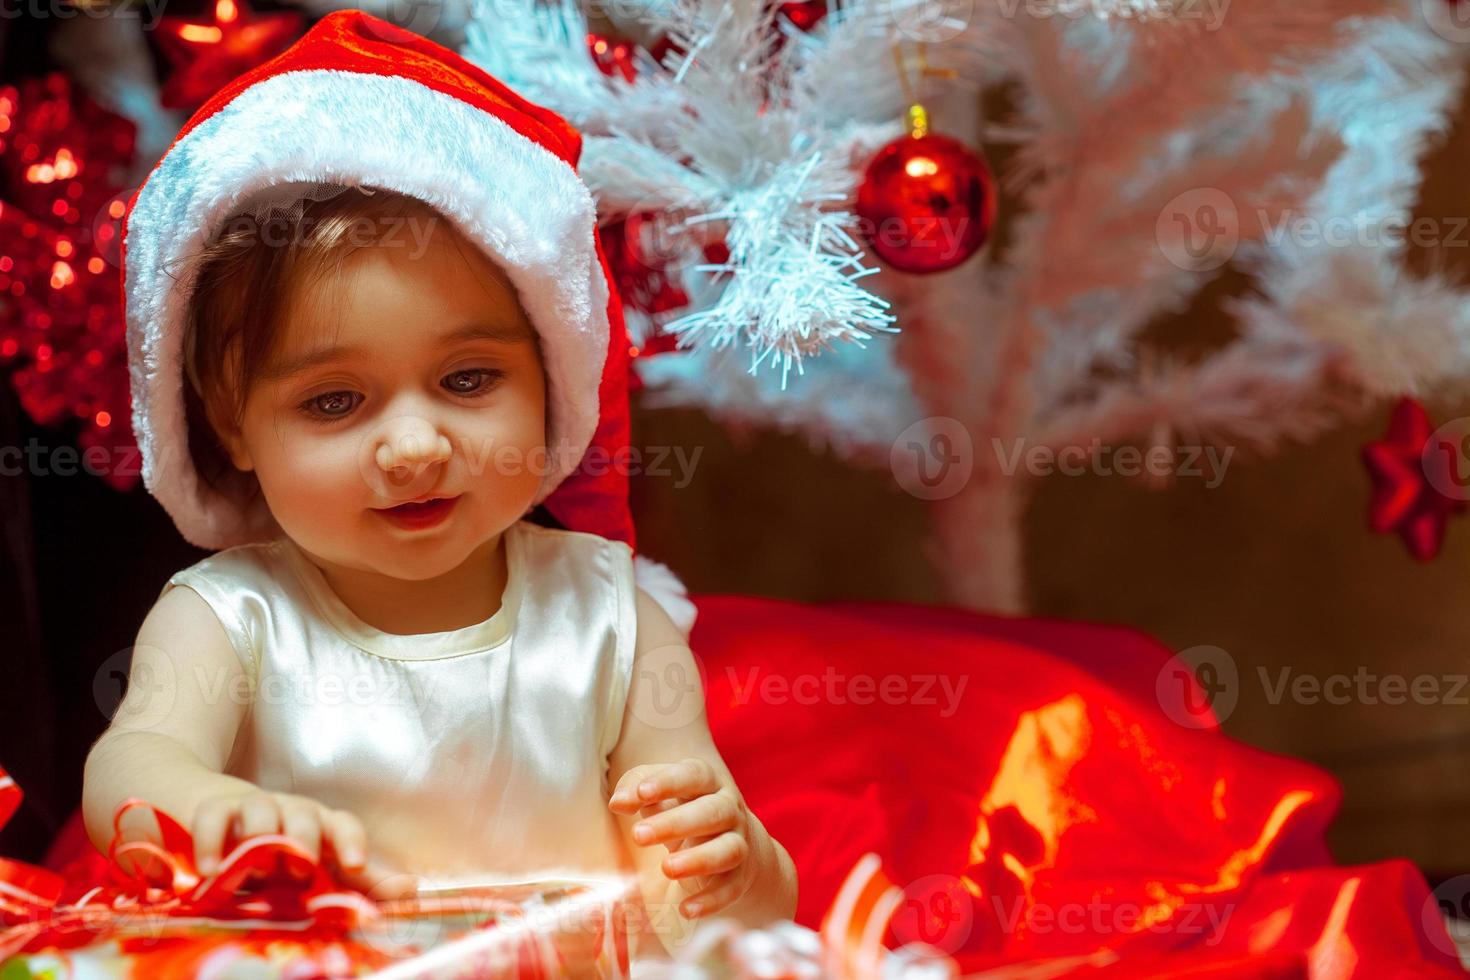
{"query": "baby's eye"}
(331, 405)
(472, 381)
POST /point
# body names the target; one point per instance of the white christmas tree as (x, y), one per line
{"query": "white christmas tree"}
(1154, 143)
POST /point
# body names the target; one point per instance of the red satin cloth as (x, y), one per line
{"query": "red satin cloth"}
(1041, 808)
(1052, 809)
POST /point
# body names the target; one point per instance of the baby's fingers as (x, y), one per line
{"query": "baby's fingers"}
(682, 780)
(702, 817)
(379, 883)
(625, 797)
(715, 893)
(212, 820)
(346, 837)
(260, 813)
(301, 821)
(722, 853)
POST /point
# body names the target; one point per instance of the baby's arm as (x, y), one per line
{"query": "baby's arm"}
(704, 845)
(171, 738)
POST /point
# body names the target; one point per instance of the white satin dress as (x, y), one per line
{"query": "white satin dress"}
(473, 755)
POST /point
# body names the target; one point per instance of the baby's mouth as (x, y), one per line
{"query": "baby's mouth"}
(419, 513)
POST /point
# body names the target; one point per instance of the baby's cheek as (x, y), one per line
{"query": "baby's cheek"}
(317, 482)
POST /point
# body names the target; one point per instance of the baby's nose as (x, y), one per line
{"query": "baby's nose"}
(411, 444)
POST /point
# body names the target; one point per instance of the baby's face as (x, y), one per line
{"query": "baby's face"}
(415, 375)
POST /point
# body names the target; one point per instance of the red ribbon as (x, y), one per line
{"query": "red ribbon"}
(294, 887)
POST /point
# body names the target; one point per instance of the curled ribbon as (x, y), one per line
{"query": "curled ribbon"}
(34, 917)
(849, 945)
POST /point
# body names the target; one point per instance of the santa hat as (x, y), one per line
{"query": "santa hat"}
(358, 101)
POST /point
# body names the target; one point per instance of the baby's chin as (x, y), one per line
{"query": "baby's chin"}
(409, 554)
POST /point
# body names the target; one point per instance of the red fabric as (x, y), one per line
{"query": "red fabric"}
(595, 497)
(1052, 809)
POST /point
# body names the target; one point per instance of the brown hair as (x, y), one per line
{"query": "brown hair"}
(249, 271)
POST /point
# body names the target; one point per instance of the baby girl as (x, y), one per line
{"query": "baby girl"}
(378, 367)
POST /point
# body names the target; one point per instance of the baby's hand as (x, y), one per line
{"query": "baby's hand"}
(688, 800)
(306, 821)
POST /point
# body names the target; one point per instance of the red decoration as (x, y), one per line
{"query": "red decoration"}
(662, 47)
(61, 323)
(1416, 478)
(804, 14)
(613, 56)
(644, 280)
(207, 54)
(927, 202)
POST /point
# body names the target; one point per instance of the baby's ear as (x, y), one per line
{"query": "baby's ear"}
(230, 439)
(235, 447)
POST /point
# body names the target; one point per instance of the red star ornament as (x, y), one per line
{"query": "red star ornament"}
(1417, 483)
(207, 54)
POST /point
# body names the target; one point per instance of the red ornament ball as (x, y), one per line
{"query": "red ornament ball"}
(926, 203)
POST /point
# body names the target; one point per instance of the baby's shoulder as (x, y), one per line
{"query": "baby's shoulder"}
(242, 564)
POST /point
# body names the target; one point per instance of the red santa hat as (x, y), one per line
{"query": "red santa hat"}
(360, 102)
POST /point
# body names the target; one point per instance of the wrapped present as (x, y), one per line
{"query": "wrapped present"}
(271, 911)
